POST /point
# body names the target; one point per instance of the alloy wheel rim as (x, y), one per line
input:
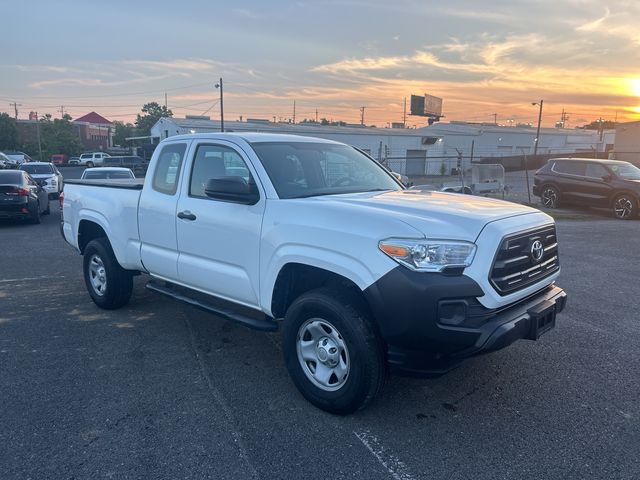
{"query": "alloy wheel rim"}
(322, 354)
(549, 198)
(97, 275)
(623, 207)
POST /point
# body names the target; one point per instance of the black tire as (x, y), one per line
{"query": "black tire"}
(118, 283)
(348, 315)
(48, 210)
(35, 215)
(549, 196)
(89, 164)
(625, 207)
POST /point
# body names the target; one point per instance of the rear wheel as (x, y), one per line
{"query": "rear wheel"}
(48, 210)
(89, 164)
(332, 351)
(108, 284)
(550, 196)
(625, 207)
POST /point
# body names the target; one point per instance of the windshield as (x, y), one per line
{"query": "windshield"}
(626, 171)
(37, 169)
(300, 169)
(103, 175)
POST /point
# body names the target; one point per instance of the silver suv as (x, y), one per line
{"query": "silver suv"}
(92, 159)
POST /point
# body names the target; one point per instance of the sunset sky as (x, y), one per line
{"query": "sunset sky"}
(335, 56)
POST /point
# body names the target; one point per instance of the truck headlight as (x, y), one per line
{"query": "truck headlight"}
(429, 255)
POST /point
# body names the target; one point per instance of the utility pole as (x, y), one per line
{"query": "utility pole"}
(362, 116)
(537, 141)
(495, 118)
(316, 115)
(165, 100)
(294, 112)
(219, 85)
(61, 111)
(404, 114)
(38, 132)
(601, 127)
(15, 108)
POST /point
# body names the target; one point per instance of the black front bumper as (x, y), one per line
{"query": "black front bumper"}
(431, 322)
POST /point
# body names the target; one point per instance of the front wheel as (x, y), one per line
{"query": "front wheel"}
(332, 351)
(108, 284)
(625, 207)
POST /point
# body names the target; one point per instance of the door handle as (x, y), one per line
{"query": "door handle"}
(186, 215)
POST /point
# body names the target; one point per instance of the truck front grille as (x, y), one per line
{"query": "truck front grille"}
(516, 266)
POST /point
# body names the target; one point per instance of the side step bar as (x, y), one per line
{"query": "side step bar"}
(264, 325)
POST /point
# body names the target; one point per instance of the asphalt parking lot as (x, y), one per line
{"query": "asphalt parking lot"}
(161, 390)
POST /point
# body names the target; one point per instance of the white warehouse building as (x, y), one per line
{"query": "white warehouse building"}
(420, 151)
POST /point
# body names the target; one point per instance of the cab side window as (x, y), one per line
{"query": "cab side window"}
(214, 161)
(167, 172)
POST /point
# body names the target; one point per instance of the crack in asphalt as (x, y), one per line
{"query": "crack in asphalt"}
(219, 399)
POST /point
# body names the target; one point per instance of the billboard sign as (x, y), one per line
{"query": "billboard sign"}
(426, 106)
(417, 105)
(432, 106)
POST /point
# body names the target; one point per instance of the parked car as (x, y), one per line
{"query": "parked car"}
(589, 182)
(6, 162)
(320, 240)
(137, 164)
(18, 157)
(59, 159)
(53, 182)
(107, 173)
(21, 196)
(74, 161)
(92, 159)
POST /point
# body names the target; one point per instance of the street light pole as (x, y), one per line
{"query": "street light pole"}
(535, 147)
(219, 85)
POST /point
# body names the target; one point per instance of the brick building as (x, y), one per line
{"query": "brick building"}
(95, 131)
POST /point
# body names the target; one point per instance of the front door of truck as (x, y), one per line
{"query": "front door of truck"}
(157, 213)
(219, 241)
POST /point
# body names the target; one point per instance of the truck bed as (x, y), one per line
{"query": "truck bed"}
(111, 204)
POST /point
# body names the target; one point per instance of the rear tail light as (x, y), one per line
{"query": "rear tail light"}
(20, 192)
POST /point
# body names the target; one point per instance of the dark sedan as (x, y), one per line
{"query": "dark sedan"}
(589, 182)
(21, 196)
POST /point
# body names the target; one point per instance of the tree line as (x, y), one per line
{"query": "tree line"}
(58, 135)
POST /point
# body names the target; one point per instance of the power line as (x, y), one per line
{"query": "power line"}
(122, 94)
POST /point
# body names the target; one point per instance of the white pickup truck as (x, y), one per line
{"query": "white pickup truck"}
(362, 275)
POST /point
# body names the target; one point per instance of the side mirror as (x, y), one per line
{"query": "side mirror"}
(232, 189)
(607, 178)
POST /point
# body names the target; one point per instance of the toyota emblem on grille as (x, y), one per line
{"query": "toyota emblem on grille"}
(537, 251)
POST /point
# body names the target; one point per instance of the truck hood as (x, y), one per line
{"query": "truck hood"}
(435, 214)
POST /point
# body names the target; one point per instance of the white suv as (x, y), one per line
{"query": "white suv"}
(93, 159)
